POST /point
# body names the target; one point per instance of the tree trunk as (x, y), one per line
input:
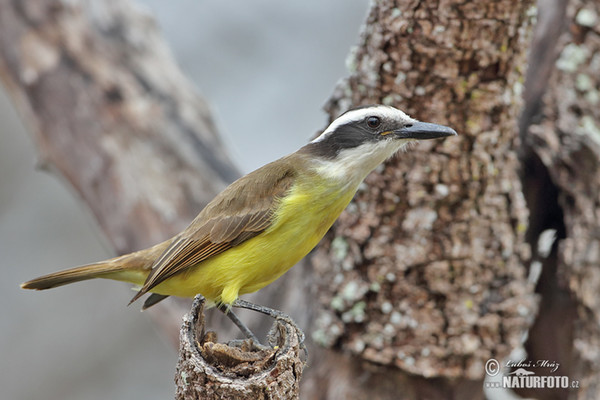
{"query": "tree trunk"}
(562, 157)
(425, 273)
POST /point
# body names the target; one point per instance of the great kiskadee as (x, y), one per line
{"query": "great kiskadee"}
(265, 222)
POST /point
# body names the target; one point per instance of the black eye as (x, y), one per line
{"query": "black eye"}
(373, 122)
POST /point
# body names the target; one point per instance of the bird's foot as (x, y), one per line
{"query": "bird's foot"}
(275, 314)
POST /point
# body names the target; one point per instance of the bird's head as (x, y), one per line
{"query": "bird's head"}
(360, 139)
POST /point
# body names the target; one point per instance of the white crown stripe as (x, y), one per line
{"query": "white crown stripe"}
(384, 112)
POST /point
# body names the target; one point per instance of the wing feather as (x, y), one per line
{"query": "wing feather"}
(242, 211)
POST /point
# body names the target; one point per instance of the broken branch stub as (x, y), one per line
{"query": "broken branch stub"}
(210, 370)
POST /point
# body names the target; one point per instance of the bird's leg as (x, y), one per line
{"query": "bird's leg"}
(238, 322)
(276, 314)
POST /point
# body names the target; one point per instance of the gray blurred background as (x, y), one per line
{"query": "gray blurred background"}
(266, 67)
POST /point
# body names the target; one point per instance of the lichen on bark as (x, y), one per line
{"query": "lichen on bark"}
(566, 139)
(429, 260)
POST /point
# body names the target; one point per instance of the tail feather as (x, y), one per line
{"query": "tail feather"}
(82, 273)
(133, 268)
(153, 299)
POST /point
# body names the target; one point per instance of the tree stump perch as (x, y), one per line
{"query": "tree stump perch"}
(209, 370)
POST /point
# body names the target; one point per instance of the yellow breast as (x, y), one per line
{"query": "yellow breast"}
(301, 220)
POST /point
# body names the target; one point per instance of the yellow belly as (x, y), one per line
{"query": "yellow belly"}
(302, 219)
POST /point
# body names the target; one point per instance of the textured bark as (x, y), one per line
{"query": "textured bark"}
(562, 135)
(426, 270)
(209, 370)
(112, 114)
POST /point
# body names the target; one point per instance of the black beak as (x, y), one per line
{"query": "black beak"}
(424, 130)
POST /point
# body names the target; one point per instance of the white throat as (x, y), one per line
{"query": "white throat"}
(351, 166)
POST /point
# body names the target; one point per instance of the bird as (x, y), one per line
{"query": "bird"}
(262, 224)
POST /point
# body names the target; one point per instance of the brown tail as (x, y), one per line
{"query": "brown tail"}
(132, 268)
(90, 271)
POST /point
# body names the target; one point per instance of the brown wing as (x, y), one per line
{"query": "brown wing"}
(242, 211)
